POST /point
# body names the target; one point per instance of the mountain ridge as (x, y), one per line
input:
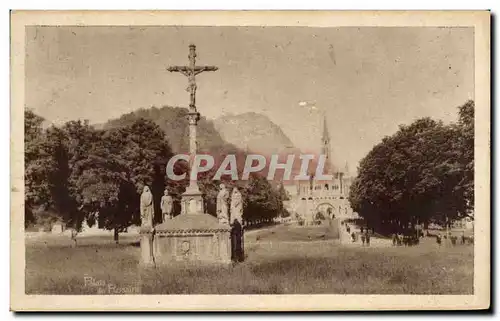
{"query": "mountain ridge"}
(254, 132)
(248, 131)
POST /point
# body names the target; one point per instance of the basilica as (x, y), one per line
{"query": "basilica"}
(319, 199)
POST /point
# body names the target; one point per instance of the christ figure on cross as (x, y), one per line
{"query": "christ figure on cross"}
(191, 71)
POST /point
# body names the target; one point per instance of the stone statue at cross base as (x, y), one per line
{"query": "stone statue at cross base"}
(166, 206)
(236, 223)
(222, 208)
(237, 249)
(236, 206)
(147, 210)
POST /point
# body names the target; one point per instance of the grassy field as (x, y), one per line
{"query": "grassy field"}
(271, 267)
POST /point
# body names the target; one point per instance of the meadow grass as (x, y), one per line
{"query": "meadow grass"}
(270, 268)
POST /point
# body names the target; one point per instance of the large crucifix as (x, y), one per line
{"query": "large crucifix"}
(190, 72)
(192, 192)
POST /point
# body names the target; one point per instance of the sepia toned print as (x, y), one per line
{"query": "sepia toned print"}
(305, 160)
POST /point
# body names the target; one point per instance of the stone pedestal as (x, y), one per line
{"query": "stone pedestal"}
(192, 200)
(147, 256)
(192, 238)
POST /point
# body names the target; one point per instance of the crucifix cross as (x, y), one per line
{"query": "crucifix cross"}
(190, 72)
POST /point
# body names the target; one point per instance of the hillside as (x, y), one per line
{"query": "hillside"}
(173, 121)
(233, 134)
(254, 132)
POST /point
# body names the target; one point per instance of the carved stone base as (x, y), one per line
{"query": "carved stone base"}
(192, 200)
(147, 258)
(195, 238)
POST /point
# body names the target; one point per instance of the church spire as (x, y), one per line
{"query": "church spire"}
(325, 138)
(325, 144)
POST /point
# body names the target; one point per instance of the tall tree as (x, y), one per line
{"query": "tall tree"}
(47, 176)
(146, 154)
(261, 200)
(119, 163)
(283, 195)
(412, 177)
(36, 186)
(79, 139)
(466, 143)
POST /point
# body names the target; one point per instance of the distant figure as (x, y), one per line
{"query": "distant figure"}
(367, 236)
(222, 208)
(353, 236)
(74, 233)
(362, 230)
(438, 239)
(463, 238)
(147, 210)
(348, 229)
(363, 239)
(166, 205)
(236, 206)
(394, 239)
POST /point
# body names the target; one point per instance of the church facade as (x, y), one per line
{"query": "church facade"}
(320, 199)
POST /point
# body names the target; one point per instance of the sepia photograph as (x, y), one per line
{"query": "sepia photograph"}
(284, 160)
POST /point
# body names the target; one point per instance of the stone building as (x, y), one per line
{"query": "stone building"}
(315, 198)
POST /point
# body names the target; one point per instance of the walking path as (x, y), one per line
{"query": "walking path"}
(255, 230)
(346, 239)
(374, 242)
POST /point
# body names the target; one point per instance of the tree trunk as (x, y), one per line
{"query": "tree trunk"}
(115, 236)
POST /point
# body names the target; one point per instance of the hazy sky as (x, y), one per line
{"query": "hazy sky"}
(367, 80)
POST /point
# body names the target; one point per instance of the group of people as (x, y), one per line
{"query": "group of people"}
(399, 239)
(453, 239)
(364, 235)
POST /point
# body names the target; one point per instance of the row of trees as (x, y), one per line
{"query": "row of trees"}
(423, 173)
(74, 171)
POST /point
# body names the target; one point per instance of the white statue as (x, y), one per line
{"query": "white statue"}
(222, 209)
(166, 205)
(236, 206)
(147, 211)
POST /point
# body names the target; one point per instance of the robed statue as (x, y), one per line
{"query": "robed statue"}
(236, 206)
(237, 254)
(166, 206)
(222, 202)
(147, 210)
